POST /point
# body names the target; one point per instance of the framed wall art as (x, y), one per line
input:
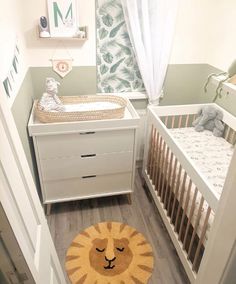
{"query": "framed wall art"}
(62, 16)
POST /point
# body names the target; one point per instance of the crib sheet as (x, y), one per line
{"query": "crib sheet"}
(211, 155)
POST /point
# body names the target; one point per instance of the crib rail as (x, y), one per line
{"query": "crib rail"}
(180, 199)
(181, 195)
(175, 121)
(184, 198)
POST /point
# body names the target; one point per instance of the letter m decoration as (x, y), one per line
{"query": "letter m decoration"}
(58, 14)
(62, 17)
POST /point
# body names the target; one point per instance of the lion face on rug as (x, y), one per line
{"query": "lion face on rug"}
(109, 252)
(110, 256)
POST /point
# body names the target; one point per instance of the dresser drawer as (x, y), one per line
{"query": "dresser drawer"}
(77, 166)
(79, 188)
(76, 144)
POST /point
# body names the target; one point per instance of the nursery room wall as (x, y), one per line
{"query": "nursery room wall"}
(81, 80)
(11, 23)
(203, 44)
(192, 59)
(221, 52)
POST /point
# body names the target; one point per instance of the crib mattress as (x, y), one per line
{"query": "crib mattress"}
(211, 155)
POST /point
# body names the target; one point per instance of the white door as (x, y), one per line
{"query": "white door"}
(21, 204)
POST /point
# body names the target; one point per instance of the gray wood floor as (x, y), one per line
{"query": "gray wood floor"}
(68, 219)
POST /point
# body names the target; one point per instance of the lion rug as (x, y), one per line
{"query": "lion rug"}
(109, 253)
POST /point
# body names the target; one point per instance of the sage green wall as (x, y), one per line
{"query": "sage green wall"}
(21, 111)
(227, 101)
(184, 84)
(81, 80)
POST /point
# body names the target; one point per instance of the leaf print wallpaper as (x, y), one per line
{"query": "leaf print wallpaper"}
(117, 69)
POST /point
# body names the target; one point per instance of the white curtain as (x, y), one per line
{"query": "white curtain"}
(151, 26)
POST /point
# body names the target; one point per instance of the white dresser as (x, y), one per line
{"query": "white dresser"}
(85, 159)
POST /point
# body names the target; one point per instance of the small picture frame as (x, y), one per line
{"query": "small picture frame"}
(62, 16)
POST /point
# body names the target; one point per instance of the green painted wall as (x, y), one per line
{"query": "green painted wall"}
(81, 80)
(227, 101)
(21, 110)
(184, 83)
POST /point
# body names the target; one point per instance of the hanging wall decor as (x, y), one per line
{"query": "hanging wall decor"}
(62, 60)
(62, 66)
(10, 62)
(62, 18)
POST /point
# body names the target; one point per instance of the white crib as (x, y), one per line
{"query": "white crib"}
(186, 196)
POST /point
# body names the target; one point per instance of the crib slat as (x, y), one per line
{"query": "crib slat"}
(227, 133)
(233, 140)
(190, 217)
(201, 238)
(153, 158)
(195, 226)
(166, 121)
(158, 172)
(164, 180)
(169, 169)
(185, 208)
(173, 122)
(187, 121)
(149, 161)
(172, 184)
(176, 192)
(163, 149)
(180, 200)
(154, 153)
(180, 121)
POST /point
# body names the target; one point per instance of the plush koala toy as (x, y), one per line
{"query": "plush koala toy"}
(209, 118)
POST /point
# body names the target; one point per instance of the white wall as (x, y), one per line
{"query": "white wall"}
(222, 50)
(205, 33)
(40, 51)
(190, 43)
(11, 27)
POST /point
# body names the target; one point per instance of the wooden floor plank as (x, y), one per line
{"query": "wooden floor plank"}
(68, 219)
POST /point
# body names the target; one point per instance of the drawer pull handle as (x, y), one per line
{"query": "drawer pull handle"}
(88, 156)
(93, 176)
(87, 133)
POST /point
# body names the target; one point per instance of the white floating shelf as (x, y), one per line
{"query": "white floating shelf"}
(85, 29)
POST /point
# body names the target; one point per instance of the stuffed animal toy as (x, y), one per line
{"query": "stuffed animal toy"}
(209, 118)
(50, 101)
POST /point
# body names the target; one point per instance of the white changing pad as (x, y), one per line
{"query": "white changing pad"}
(210, 154)
(90, 106)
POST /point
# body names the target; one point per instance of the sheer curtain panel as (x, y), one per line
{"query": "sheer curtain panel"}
(151, 26)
